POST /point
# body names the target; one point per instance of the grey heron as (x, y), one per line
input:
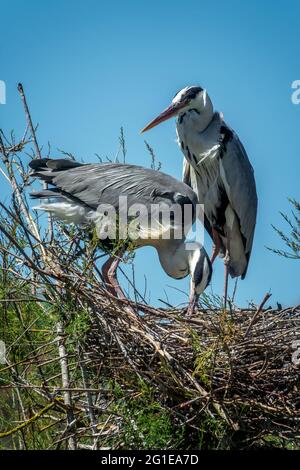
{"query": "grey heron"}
(217, 167)
(81, 194)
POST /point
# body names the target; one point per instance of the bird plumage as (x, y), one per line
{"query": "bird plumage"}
(92, 184)
(217, 167)
(80, 193)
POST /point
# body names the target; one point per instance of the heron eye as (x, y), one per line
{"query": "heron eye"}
(192, 92)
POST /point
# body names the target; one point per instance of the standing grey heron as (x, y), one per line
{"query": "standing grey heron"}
(83, 193)
(217, 167)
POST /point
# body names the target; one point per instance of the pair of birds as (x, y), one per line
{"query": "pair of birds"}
(216, 173)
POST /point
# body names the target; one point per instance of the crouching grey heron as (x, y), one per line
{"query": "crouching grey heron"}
(217, 167)
(84, 194)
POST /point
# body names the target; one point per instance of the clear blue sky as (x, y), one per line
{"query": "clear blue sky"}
(89, 67)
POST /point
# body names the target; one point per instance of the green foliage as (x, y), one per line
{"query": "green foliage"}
(123, 144)
(145, 424)
(24, 328)
(213, 434)
(112, 247)
(291, 240)
(155, 165)
(78, 325)
(203, 359)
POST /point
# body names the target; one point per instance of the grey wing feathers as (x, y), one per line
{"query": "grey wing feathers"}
(239, 183)
(187, 172)
(92, 184)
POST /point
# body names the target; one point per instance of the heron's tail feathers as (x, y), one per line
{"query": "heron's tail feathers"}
(47, 168)
(54, 164)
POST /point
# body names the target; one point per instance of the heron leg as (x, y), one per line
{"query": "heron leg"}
(193, 302)
(109, 269)
(226, 272)
(216, 245)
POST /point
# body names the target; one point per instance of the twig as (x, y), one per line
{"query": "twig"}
(259, 310)
(37, 148)
(29, 120)
(29, 421)
(65, 380)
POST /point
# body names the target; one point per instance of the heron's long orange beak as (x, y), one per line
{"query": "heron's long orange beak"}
(166, 114)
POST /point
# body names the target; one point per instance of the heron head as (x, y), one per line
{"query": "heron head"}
(200, 269)
(192, 97)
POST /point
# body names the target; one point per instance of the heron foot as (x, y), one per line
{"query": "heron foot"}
(193, 304)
